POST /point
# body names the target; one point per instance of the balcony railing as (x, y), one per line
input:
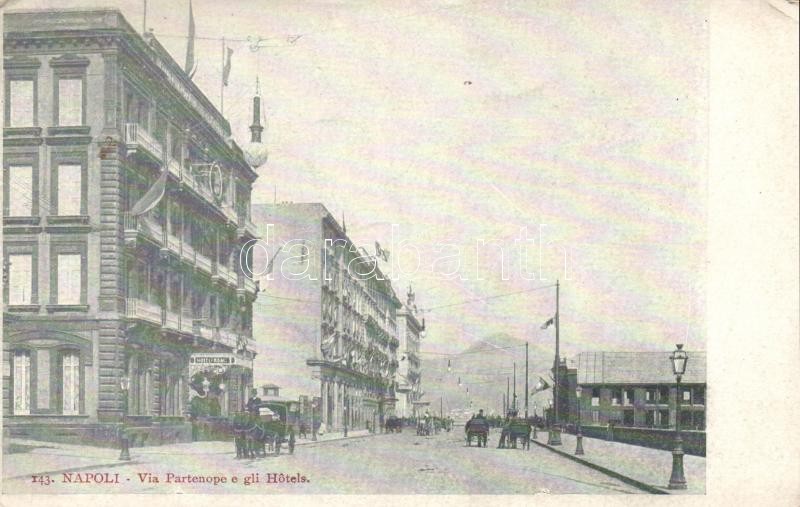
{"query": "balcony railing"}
(172, 320)
(204, 331)
(246, 226)
(142, 224)
(143, 310)
(186, 323)
(227, 337)
(203, 262)
(174, 168)
(137, 138)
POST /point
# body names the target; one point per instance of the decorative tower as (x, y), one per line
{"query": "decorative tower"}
(255, 152)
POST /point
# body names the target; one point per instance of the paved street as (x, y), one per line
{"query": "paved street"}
(387, 464)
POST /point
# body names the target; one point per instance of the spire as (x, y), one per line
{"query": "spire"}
(256, 128)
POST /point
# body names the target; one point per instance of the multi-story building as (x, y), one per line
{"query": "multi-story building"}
(409, 371)
(326, 317)
(109, 313)
(637, 389)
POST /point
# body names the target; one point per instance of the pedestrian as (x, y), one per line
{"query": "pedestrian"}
(253, 403)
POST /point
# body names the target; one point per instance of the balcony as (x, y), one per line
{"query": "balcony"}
(143, 310)
(203, 262)
(225, 275)
(204, 330)
(144, 226)
(227, 337)
(246, 227)
(247, 286)
(174, 244)
(174, 168)
(230, 213)
(186, 324)
(138, 140)
(172, 320)
(187, 253)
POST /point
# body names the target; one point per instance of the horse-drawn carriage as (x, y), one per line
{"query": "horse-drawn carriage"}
(424, 427)
(515, 429)
(255, 433)
(393, 424)
(477, 428)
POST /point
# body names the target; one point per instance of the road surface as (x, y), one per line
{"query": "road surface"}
(384, 464)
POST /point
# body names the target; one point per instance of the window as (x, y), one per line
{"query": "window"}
(686, 396)
(650, 418)
(663, 418)
(595, 416)
(20, 193)
(20, 279)
(650, 396)
(627, 417)
(69, 279)
(21, 103)
(69, 189)
(699, 396)
(22, 382)
(628, 400)
(595, 397)
(71, 382)
(70, 101)
(616, 396)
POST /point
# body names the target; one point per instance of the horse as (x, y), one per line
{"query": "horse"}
(478, 428)
(515, 429)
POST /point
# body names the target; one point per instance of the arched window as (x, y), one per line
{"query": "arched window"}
(71, 382)
(21, 368)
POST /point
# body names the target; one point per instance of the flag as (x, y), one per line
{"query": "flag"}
(191, 65)
(152, 197)
(226, 71)
(541, 385)
(381, 252)
(272, 260)
(549, 323)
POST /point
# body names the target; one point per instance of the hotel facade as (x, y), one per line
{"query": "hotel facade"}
(110, 314)
(326, 317)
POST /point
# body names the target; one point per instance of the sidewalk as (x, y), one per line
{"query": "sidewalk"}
(40, 457)
(649, 466)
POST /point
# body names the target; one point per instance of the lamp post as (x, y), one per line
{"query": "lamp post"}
(535, 437)
(124, 443)
(578, 436)
(678, 359)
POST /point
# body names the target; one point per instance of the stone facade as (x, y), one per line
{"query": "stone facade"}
(143, 293)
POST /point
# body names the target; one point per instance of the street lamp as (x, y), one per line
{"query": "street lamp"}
(678, 359)
(535, 437)
(124, 443)
(578, 436)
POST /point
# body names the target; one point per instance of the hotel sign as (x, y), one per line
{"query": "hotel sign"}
(208, 359)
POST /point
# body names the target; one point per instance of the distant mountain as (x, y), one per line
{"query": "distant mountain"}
(483, 368)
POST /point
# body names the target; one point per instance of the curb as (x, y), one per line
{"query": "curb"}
(318, 442)
(616, 475)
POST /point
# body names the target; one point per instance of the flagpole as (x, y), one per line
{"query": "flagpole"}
(526, 381)
(555, 436)
(144, 19)
(514, 402)
(222, 81)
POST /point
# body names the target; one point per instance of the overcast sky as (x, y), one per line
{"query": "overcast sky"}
(467, 121)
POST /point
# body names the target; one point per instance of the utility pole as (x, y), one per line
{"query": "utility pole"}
(508, 395)
(526, 381)
(555, 431)
(514, 401)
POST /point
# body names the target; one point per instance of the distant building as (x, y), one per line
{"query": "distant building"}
(637, 389)
(326, 318)
(108, 313)
(409, 372)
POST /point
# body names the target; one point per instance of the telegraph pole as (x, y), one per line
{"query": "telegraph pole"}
(555, 431)
(514, 402)
(526, 381)
(508, 395)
